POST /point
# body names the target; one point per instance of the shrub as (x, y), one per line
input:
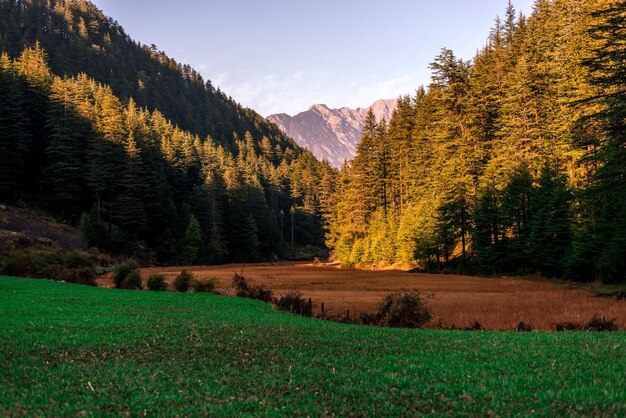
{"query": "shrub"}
(568, 326)
(156, 282)
(123, 270)
(240, 283)
(262, 292)
(294, 302)
(244, 290)
(476, 326)
(600, 323)
(86, 275)
(132, 281)
(403, 310)
(61, 266)
(182, 282)
(21, 263)
(523, 327)
(204, 286)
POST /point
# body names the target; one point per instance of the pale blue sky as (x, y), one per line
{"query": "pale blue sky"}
(284, 55)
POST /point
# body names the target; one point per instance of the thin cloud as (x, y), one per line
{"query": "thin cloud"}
(296, 92)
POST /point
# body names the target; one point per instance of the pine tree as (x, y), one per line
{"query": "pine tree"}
(364, 167)
(129, 202)
(32, 67)
(607, 146)
(516, 216)
(64, 154)
(486, 235)
(401, 126)
(550, 236)
(14, 133)
(455, 221)
(192, 242)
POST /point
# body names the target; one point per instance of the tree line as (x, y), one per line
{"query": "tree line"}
(513, 162)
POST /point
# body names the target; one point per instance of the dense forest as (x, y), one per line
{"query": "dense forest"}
(140, 152)
(514, 162)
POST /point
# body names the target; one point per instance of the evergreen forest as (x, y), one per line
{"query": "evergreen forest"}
(513, 162)
(138, 151)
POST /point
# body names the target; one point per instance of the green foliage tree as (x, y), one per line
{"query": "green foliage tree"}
(454, 222)
(15, 136)
(606, 150)
(550, 236)
(192, 242)
(64, 154)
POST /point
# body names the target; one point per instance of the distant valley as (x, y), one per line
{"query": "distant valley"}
(331, 134)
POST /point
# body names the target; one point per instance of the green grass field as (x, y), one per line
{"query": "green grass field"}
(74, 350)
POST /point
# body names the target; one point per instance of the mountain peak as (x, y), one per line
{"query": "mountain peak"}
(319, 107)
(331, 134)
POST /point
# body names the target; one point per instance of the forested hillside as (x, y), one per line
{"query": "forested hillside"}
(513, 162)
(79, 38)
(136, 149)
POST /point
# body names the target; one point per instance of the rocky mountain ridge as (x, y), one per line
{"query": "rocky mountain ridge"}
(331, 134)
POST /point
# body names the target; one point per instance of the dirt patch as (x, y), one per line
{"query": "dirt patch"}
(457, 301)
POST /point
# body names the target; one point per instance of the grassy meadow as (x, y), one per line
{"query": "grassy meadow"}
(77, 350)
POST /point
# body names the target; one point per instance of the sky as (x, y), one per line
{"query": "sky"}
(282, 56)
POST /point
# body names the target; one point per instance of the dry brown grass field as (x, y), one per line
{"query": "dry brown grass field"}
(457, 301)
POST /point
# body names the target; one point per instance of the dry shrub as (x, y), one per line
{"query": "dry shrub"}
(183, 281)
(523, 327)
(240, 283)
(245, 290)
(403, 310)
(296, 304)
(59, 265)
(132, 281)
(204, 286)
(600, 323)
(568, 326)
(596, 323)
(123, 270)
(476, 326)
(156, 282)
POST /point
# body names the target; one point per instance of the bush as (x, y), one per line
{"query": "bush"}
(244, 290)
(568, 326)
(60, 266)
(403, 310)
(123, 270)
(132, 281)
(476, 326)
(262, 292)
(204, 286)
(156, 282)
(523, 327)
(240, 283)
(294, 302)
(86, 275)
(21, 263)
(182, 282)
(600, 323)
